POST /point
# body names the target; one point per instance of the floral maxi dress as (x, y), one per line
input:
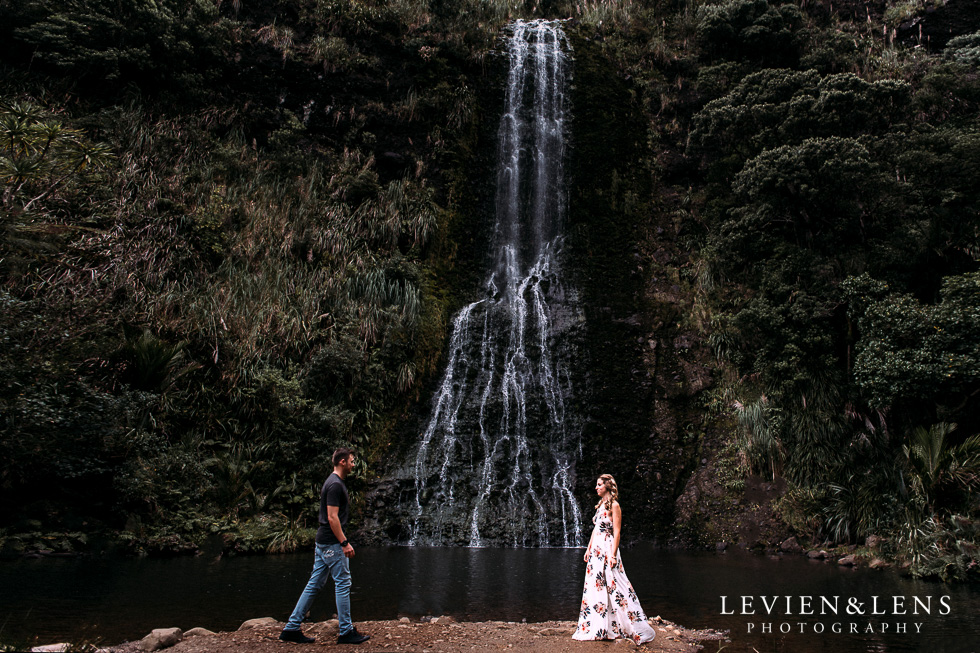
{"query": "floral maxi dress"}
(610, 608)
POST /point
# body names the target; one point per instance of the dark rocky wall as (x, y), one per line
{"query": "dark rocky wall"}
(643, 368)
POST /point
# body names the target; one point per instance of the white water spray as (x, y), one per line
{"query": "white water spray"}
(496, 462)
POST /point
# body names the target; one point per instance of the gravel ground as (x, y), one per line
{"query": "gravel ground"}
(436, 636)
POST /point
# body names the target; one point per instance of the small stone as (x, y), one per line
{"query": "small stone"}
(261, 622)
(51, 648)
(848, 561)
(816, 555)
(198, 632)
(444, 619)
(161, 638)
(405, 620)
(878, 563)
(552, 632)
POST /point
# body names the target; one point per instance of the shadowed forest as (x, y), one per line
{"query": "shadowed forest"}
(234, 235)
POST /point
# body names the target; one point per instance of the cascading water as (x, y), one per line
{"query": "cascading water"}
(496, 463)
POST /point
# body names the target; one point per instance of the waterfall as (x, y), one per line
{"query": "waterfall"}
(496, 461)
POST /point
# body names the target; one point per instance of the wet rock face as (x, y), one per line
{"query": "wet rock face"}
(633, 374)
(494, 462)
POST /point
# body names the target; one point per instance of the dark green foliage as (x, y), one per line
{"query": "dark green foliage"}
(864, 504)
(814, 195)
(910, 352)
(268, 260)
(944, 548)
(834, 51)
(965, 49)
(719, 79)
(817, 177)
(781, 107)
(150, 363)
(938, 469)
(751, 30)
(234, 233)
(47, 168)
(172, 45)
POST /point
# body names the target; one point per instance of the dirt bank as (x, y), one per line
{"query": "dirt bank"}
(434, 637)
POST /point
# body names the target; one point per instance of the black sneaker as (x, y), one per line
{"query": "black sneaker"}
(353, 637)
(295, 636)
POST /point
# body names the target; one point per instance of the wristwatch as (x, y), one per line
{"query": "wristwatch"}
(343, 545)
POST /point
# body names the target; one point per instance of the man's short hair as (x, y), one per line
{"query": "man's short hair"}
(341, 454)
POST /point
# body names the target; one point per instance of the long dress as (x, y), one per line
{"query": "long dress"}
(610, 608)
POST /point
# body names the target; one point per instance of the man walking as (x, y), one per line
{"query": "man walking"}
(332, 554)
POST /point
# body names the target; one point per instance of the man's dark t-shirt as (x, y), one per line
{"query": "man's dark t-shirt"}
(334, 493)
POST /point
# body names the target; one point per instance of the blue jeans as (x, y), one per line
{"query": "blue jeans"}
(326, 556)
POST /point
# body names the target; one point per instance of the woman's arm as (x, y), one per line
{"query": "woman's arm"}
(617, 519)
(588, 549)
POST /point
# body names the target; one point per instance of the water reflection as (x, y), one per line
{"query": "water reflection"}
(118, 600)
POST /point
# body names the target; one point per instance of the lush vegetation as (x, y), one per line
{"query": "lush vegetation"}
(233, 234)
(837, 230)
(222, 232)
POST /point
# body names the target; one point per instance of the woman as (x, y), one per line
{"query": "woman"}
(610, 608)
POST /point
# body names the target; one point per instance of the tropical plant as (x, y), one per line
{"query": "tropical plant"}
(42, 160)
(236, 474)
(937, 466)
(151, 363)
(759, 436)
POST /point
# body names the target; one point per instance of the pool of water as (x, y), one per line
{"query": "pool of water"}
(113, 600)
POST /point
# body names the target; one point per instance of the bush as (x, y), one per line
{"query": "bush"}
(753, 31)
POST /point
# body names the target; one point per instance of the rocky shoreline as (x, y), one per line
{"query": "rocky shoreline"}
(435, 635)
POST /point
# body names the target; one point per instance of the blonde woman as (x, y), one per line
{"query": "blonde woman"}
(610, 609)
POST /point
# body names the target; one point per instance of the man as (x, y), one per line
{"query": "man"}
(332, 553)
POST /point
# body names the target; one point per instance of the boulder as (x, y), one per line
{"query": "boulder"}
(197, 632)
(160, 638)
(878, 563)
(848, 561)
(816, 555)
(790, 546)
(261, 622)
